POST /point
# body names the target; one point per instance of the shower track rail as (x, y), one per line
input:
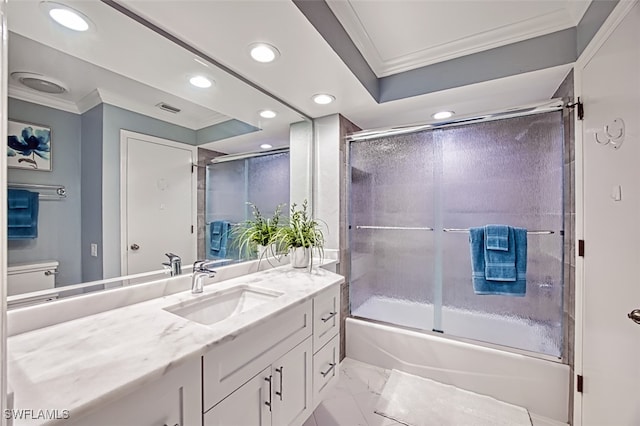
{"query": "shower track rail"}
(462, 230)
(395, 228)
(452, 230)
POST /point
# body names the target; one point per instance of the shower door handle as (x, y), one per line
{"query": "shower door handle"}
(634, 316)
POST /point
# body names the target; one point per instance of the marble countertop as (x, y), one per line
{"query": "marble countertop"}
(84, 364)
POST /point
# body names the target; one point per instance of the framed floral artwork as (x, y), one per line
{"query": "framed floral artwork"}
(28, 146)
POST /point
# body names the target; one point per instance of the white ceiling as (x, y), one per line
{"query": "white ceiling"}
(396, 35)
(89, 85)
(307, 65)
(133, 67)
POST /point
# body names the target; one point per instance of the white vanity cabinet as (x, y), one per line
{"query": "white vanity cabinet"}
(278, 395)
(173, 400)
(267, 376)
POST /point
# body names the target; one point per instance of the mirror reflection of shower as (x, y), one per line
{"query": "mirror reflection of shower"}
(261, 179)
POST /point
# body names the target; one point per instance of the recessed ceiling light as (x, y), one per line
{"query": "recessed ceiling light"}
(443, 115)
(323, 98)
(200, 81)
(66, 16)
(263, 52)
(266, 146)
(267, 113)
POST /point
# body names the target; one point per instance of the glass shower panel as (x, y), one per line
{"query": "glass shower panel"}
(392, 254)
(262, 180)
(505, 172)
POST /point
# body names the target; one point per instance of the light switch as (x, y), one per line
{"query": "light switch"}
(94, 250)
(616, 193)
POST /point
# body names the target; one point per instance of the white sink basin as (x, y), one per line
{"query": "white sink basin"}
(222, 305)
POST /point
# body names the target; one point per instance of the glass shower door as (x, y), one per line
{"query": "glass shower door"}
(505, 172)
(391, 217)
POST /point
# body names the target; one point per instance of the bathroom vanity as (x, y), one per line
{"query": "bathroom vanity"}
(261, 349)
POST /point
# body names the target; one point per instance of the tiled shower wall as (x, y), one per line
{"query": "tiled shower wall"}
(204, 158)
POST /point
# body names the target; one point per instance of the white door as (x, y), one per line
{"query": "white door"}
(158, 196)
(246, 406)
(292, 379)
(610, 89)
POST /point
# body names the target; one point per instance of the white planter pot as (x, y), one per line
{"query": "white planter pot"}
(300, 257)
(266, 251)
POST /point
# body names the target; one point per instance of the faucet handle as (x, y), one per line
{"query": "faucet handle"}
(203, 266)
(172, 257)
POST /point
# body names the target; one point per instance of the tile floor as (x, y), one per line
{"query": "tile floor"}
(353, 400)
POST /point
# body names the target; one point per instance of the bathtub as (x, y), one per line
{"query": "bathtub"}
(536, 337)
(540, 385)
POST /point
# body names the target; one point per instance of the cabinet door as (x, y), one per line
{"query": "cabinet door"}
(175, 399)
(292, 388)
(248, 405)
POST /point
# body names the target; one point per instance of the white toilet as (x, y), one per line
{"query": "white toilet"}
(30, 277)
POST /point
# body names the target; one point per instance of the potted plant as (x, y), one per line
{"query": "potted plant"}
(301, 236)
(258, 234)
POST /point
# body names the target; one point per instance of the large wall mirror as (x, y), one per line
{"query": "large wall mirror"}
(105, 124)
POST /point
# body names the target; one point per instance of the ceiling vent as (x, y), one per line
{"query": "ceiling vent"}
(169, 108)
(40, 82)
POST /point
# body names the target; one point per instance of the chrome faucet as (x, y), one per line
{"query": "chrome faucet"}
(201, 270)
(174, 264)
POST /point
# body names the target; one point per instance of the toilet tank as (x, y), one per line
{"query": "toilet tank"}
(28, 277)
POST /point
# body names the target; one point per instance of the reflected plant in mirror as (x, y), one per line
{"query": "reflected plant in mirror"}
(257, 236)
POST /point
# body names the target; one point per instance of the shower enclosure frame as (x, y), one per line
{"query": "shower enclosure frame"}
(550, 106)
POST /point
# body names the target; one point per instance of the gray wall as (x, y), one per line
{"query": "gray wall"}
(92, 192)
(114, 119)
(58, 221)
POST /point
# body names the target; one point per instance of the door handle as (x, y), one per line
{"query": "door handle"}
(281, 371)
(134, 246)
(332, 365)
(328, 317)
(634, 316)
(268, 403)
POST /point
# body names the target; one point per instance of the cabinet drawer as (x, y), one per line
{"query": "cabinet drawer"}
(326, 316)
(232, 364)
(325, 369)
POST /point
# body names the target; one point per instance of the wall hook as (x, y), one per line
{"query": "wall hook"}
(614, 133)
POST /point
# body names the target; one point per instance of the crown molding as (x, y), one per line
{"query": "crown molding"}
(557, 20)
(23, 94)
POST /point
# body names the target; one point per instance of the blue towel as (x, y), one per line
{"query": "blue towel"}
(22, 214)
(499, 253)
(219, 231)
(216, 235)
(497, 237)
(506, 288)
